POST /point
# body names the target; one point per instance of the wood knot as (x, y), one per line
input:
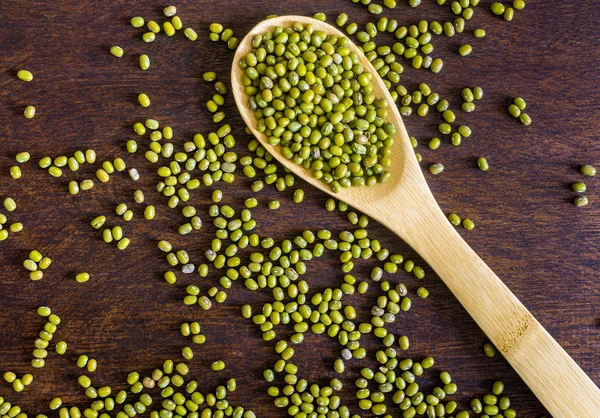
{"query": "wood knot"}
(512, 339)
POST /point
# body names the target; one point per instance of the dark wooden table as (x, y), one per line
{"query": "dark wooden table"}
(128, 318)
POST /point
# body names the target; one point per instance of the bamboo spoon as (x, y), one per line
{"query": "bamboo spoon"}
(406, 206)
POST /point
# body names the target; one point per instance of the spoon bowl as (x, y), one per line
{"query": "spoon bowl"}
(406, 206)
(406, 176)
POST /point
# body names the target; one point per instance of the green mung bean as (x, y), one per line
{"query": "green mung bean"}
(298, 195)
(137, 22)
(218, 365)
(454, 219)
(45, 263)
(464, 131)
(42, 311)
(9, 204)
(497, 9)
(86, 184)
(525, 119)
(61, 347)
(520, 103)
(187, 353)
(586, 170)
(209, 76)
(144, 61)
(514, 110)
(445, 128)
(465, 50)
(117, 51)
(170, 11)
(320, 16)
(149, 212)
(9, 377)
(18, 386)
(468, 224)
(92, 365)
(55, 404)
(467, 94)
(226, 35)
(45, 162)
(90, 156)
(148, 37)
(215, 28)
(54, 319)
(82, 361)
(22, 157)
(581, 201)
(479, 33)
(15, 172)
(29, 112)
(82, 277)
(190, 34)
(434, 143)
(482, 164)
(437, 65)
(497, 388)
(468, 107)
(341, 19)
(489, 350)
(144, 100)
(25, 75)
(153, 26)
(16, 227)
(123, 243)
(375, 9)
(436, 168)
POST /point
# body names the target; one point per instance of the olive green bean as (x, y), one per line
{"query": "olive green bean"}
(25, 75)
(436, 168)
(581, 201)
(117, 51)
(482, 164)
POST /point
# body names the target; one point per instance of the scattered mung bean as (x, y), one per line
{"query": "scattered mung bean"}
(581, 201)
(586, 170)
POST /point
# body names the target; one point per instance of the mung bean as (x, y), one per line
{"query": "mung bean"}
(436, 168)
(25, 75)
(29, 112)
(482, 164)
(581, 201)
(117, 51)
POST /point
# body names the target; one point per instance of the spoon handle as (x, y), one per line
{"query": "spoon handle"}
(552, 375)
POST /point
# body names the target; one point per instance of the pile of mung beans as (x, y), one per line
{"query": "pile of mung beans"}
(36, 263)
(9, 205)
(314, 99)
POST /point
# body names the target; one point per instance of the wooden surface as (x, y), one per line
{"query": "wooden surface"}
(127, 317)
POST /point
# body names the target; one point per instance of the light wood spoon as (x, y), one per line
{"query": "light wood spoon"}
(406, 206)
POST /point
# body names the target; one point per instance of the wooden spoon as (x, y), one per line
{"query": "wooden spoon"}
(406, 206)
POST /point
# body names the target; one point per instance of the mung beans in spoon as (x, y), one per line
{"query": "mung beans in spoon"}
(313, 98)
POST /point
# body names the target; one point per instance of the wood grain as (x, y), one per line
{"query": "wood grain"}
(127, 317)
